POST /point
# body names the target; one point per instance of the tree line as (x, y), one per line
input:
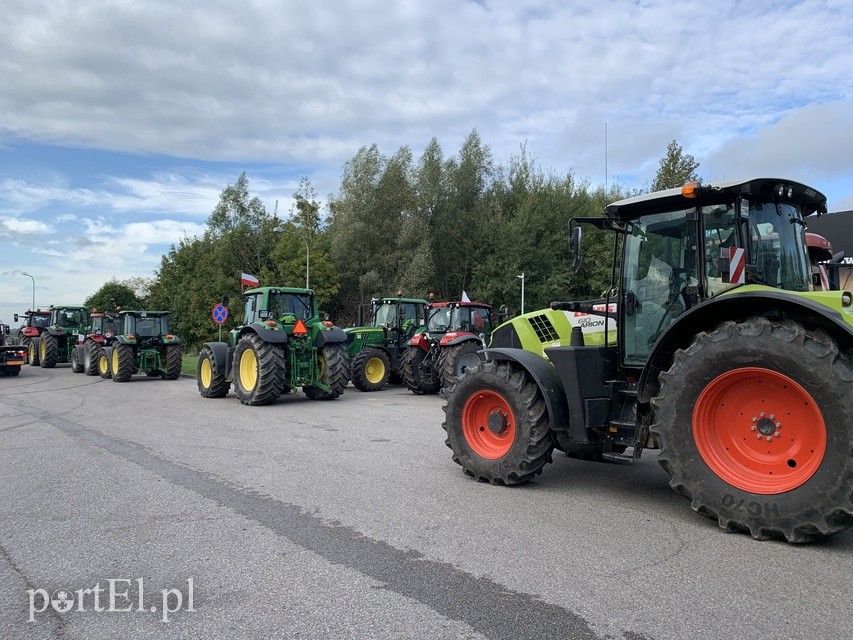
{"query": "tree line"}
(433, 224)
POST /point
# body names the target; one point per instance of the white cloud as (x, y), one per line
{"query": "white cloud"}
(19, 226)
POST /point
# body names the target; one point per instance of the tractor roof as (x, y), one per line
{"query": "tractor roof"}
(278, 290)
(480, 305)
(70, 307)
(139, 314)
(39, 312)
(392, 300)
(809, 199)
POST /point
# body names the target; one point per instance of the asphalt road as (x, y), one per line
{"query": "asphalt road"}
(348, 519)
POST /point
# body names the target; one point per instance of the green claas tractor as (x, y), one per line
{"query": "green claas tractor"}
(66, 327)
(143, 344)
(724, 358)
(89, 357)
(455, 332)
(281, 346)
(376, 350)
(35, 322)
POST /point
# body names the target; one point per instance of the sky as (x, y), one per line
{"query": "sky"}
(121, 121)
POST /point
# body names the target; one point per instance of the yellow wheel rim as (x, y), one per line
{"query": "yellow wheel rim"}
(206, 373)
(42, 349)
(32, 352)
(321, 366)
(103, 364)
(374, 370)
(115, 360)
(248, 370)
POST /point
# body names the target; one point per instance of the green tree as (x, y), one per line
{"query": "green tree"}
(114, 294)
(676, 168)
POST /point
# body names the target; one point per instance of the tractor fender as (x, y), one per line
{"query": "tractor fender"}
(737, 307)
(124, 340)
(266, 334)
(546, 378)
(172, 340)
(330, 336)
(458, 337)
(79, 349)
(221, 361)
(108, 352)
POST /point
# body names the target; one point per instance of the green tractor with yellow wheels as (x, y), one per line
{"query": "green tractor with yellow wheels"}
(58, 340)
(281, 346)
(143, 344)
(376, 350)
(714, 348)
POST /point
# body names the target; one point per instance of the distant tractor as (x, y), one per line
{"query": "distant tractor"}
(143, 344)
(35, 322)
(66, 327)
(455, 332)
(376, 350)
(11, 356)
(724, 357)
(282, 345)
(89, 357)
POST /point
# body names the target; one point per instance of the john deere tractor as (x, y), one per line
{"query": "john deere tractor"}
(66, 327)
(724, 358)
(143, 344)
(455, 332)
(376, 350)
(35, 322)
(89, 357)
(281, 346)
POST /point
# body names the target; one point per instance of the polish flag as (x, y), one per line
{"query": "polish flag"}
(248, 280)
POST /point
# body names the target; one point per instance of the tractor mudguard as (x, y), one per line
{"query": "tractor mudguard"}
(737, 306)
(452, 339)
(108, 351)
(221, 360)
(266, 334)
(548, 381)
(332, 335)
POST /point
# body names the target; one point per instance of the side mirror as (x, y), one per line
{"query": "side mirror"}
(575, 245)
(16, 317)
(224, 301)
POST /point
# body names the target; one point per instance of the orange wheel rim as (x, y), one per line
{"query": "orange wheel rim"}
(488, 424)
(759, 430)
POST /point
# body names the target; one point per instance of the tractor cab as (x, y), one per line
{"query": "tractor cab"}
(144, 327)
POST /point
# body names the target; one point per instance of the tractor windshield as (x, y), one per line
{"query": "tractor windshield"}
(39, 321)
(149, 326)
(777, 247)
(385, 314)
(69, 317)
(297, 305)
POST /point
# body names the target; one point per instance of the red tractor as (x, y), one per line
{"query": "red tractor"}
(455, 332)
(89, 357)
(35, 322)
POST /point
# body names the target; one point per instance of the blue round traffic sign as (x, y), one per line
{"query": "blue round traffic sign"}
(219, 313)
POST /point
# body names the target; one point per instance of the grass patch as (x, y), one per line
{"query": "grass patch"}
(188, 364)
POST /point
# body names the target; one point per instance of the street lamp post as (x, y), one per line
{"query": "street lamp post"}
(521, 277)
(24, 273)
(307, 256)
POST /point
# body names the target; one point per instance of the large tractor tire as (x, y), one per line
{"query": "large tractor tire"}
(334, 372)
(211, 382)
(33, 352)
(417, 379)
(455, 360)
(90, 357)
(172, 359)
(258, 370)
(48, 351)
(76, 359)
(497, 424)
(755, 426)
(104, 369)
(121, 363)
(370, 370)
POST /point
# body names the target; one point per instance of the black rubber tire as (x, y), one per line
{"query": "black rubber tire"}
(335, 368)
(104, 366)
(370, 358)
(819, 507)
(48, 351)
(218, 385)
(25, 343)
(91, 349)
(270, 371)
(121, 363)
(76, 362)
(413, 373)
(172, 359)
(456, 359)
(33, 352)
(14, 372)
(533, 444)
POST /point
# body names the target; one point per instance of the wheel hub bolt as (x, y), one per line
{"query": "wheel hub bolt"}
(766, 426)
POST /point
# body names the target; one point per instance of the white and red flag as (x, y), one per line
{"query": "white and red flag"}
(248, 280)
